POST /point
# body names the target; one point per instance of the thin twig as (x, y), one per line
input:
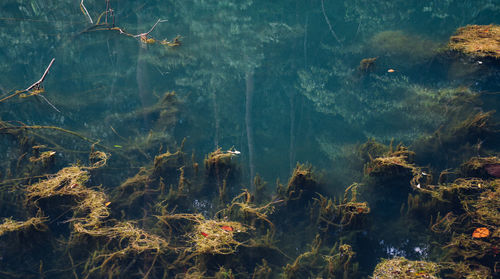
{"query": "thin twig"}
(84, 10)
(328, 22)
(46, 100)
(151, 30)
(40, 127)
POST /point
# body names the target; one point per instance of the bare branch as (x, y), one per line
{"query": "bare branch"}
(39, 82)
(35, 86)
(85, 12)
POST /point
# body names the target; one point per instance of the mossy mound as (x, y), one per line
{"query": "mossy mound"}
(477, 41)
(394, 162)
(403, 268)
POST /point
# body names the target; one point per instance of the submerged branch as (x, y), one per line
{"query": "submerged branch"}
(328, 22)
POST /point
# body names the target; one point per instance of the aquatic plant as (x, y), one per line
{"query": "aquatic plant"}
(371, 105)
(336, 263)
(242, 208)
(403, 268)
(156, 214)
(348, 214)
(477, 41)
(34, 223)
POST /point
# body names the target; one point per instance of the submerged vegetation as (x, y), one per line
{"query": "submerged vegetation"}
(138, 156)
(477, 41)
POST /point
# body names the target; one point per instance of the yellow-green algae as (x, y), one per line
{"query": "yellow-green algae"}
(402, 268)
(477, 41)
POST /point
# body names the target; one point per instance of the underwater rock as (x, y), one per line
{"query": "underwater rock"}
(488, 167)
(493, 170)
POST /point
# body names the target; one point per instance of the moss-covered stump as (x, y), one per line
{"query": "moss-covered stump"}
(393, 163)
(389, 180)
(301, 186)
(167, 165)
(401, 268)
(477, 41)
(222, 173)
(347, 215)
(220, 164)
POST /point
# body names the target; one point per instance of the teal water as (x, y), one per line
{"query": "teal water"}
(278, 81)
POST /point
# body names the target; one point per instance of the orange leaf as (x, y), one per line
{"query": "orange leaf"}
(227, 228)
(481, 232)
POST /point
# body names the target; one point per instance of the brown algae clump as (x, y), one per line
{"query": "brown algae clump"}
(8, 225)
(367, 65)
(68, 186)
(216, 237)
(403, 268)
(477, 41)
(67, 182)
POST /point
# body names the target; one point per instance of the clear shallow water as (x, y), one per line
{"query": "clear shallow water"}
(278, 81)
